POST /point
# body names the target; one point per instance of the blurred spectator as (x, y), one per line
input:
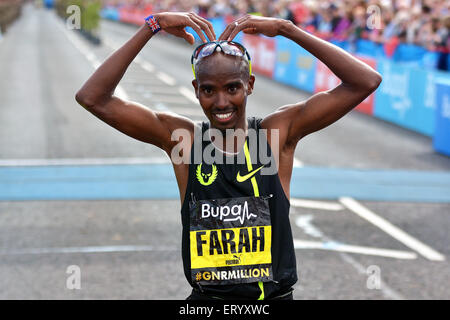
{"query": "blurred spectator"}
(420, 22)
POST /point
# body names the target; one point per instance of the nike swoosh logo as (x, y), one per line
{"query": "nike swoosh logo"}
(240, 178)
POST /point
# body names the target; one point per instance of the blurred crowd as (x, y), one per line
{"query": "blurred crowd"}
(422, 22)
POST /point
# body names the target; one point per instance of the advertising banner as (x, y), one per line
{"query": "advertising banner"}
(262, 53)
(406, 96)
(294, 65)
(441, 139)
(134, 15)
(326, 80)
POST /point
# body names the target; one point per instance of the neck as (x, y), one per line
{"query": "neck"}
(231, 140)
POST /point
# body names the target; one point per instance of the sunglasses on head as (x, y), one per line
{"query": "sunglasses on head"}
(228, 47)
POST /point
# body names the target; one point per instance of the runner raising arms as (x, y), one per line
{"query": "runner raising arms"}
(236, 240)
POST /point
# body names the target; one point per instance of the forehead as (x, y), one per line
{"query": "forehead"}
(220, 66)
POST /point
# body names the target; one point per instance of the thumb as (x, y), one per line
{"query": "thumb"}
(250, 31)
(187, 36)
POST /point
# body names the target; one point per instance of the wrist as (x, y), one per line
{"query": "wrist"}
(152, 23)
(285, 27)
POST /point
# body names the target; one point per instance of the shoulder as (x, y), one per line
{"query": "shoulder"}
(179, 127)
(281, 117)
(281, 120)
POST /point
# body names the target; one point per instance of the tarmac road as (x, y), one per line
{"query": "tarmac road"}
(128, 247)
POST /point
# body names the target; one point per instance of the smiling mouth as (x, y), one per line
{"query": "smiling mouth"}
(224, 117)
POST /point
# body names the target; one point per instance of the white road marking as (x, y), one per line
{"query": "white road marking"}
(392, 230)
(188, 94)
(188, 111)
(146, 65)
(297, 163)
(385, 289)
(81, 161)
(120, 92)
(164, 77)
(304, 223)
(176, 99)
(336, 246)
(321, 205)
(91, 249)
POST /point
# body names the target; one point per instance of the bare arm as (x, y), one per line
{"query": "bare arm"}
(133, 119)
(324, 108)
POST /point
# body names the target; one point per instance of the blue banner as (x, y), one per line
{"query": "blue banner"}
(441, 139)
(406, 96)
(294, 65)
(219, 26)
(110, 13)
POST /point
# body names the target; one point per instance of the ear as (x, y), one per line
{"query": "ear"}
(250, 84)
(195, 85)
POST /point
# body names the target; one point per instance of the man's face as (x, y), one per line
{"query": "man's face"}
(222, 87)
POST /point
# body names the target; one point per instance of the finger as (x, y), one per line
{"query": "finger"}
(225, 32)
(209, 26)
(237, 29)
(188, 37)
(182, 33)
(197, 29)
(229, 29)
(204, 27)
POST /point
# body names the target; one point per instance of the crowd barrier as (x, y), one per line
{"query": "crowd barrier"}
(413, 94)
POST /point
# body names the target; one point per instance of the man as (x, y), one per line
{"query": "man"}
(236, 240)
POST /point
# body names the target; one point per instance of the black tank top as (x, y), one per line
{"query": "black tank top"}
(237, 240)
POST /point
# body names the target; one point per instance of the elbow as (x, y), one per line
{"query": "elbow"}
(88, 99)
(374, 81)
(84, 100)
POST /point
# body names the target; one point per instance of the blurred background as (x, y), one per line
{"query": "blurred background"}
(89, 213)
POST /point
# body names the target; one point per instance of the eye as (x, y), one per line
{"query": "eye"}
(233, 88)
(207, 90)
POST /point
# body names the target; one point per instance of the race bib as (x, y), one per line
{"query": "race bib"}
(230, 241)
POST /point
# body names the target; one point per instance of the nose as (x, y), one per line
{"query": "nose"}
(222, 101)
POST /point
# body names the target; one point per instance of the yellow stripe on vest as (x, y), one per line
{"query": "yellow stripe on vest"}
(250, 168)
(256, 192)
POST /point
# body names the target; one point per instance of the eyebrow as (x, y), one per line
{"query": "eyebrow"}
(228, 84)
(233, 83)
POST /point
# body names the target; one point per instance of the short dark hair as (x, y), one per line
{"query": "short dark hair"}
(244, 65)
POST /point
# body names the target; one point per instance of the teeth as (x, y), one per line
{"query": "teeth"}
(223, 116)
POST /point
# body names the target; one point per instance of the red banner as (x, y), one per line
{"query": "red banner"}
(326, 80)
(262, 53)
(134, 15)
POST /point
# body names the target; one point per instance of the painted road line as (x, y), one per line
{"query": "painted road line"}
(371, 184)
(385, 289)
(196, 111)
(164, 77)
(169, 99)
(147, 66)
(89, 249)
(298, 244)
(392, 230)
(81, 161)
(188, 94)
(121, 93)
(336, 246)
(88, 182)
(321, 205)
(17, 182)
(95, 63)
(297, 163)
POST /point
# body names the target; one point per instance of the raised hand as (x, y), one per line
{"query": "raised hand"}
(252, 24)
(176, 22)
